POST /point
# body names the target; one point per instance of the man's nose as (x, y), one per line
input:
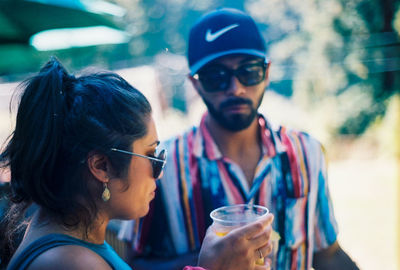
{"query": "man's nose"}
(235, 87)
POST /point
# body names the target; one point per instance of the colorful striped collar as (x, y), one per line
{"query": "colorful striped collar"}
(205, 146)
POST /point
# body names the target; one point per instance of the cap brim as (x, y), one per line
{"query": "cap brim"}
(199, 64)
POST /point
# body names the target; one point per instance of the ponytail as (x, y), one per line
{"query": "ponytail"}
(38, 134)
(33, 146)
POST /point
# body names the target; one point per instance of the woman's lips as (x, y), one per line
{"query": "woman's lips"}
(153, 194)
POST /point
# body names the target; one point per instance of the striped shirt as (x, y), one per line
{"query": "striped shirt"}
(290, 180)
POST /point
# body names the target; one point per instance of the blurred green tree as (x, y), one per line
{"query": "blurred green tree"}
(339, 55)
(375, 46)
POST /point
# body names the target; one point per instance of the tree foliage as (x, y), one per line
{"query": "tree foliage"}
(339, 55)
(343, 55)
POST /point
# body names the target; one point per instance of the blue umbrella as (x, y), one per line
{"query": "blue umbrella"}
(21, 19)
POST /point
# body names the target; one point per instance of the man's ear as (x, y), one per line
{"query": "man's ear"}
(195, 83)
(267, 73)
(99, 166)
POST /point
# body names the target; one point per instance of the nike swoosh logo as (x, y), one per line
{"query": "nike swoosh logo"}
(210, 37)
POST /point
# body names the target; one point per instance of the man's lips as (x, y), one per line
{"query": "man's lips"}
(236, 105)
(236, 108)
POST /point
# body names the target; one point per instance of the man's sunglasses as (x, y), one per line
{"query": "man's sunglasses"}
(157, 163)
(217, 78)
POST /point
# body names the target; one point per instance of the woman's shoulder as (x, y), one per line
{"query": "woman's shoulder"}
(57, 251)
(69, 257)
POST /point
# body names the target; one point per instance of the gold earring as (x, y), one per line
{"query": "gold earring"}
(106, 193)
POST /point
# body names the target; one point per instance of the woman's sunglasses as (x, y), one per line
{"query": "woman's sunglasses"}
(217, 78)
(157, 163)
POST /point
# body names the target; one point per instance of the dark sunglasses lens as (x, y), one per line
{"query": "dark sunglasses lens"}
(215, 79)
(158, 165)
(249, 75)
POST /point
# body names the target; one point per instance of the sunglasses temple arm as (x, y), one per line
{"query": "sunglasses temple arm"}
(134, 154)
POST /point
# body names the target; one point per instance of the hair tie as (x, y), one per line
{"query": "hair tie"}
(70, 77)
(68, 81)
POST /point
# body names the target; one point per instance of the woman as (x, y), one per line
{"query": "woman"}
(84, 151)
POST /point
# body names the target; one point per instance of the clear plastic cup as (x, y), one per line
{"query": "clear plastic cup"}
(227, 218)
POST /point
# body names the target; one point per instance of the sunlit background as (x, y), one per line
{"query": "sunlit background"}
(335, 73)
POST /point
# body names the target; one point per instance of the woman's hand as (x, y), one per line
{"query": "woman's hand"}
(239, 249)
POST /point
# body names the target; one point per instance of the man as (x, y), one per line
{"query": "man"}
(235, 157)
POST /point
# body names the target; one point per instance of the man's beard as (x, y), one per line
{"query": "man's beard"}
(235, 121)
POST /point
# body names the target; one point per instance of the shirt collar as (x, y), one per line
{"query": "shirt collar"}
(205, 146)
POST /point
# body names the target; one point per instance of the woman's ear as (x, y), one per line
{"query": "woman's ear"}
(99, 166)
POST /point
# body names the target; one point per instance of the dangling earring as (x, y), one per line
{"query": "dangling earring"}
(106, 193)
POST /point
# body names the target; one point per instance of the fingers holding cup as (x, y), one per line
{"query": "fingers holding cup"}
(262, 253)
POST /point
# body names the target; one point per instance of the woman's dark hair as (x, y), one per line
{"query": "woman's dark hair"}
(60, 121)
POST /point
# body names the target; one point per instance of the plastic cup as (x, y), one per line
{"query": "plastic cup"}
(227, 218)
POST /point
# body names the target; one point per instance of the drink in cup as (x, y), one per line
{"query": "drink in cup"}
(227, 218)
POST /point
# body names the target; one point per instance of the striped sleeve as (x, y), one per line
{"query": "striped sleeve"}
(325, 228)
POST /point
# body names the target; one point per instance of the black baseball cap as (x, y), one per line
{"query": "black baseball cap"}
(223, 32)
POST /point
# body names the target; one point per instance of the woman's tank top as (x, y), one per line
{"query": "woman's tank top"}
(49, 241)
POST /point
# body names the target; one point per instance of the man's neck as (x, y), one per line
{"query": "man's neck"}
(234, 141)
(243, 147)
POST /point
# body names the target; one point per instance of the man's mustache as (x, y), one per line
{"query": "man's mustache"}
(235, 101)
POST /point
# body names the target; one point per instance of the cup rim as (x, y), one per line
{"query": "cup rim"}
(215, 219)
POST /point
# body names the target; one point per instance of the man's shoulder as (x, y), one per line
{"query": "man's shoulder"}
(295, 134)
(280, 130)
(300, 138)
